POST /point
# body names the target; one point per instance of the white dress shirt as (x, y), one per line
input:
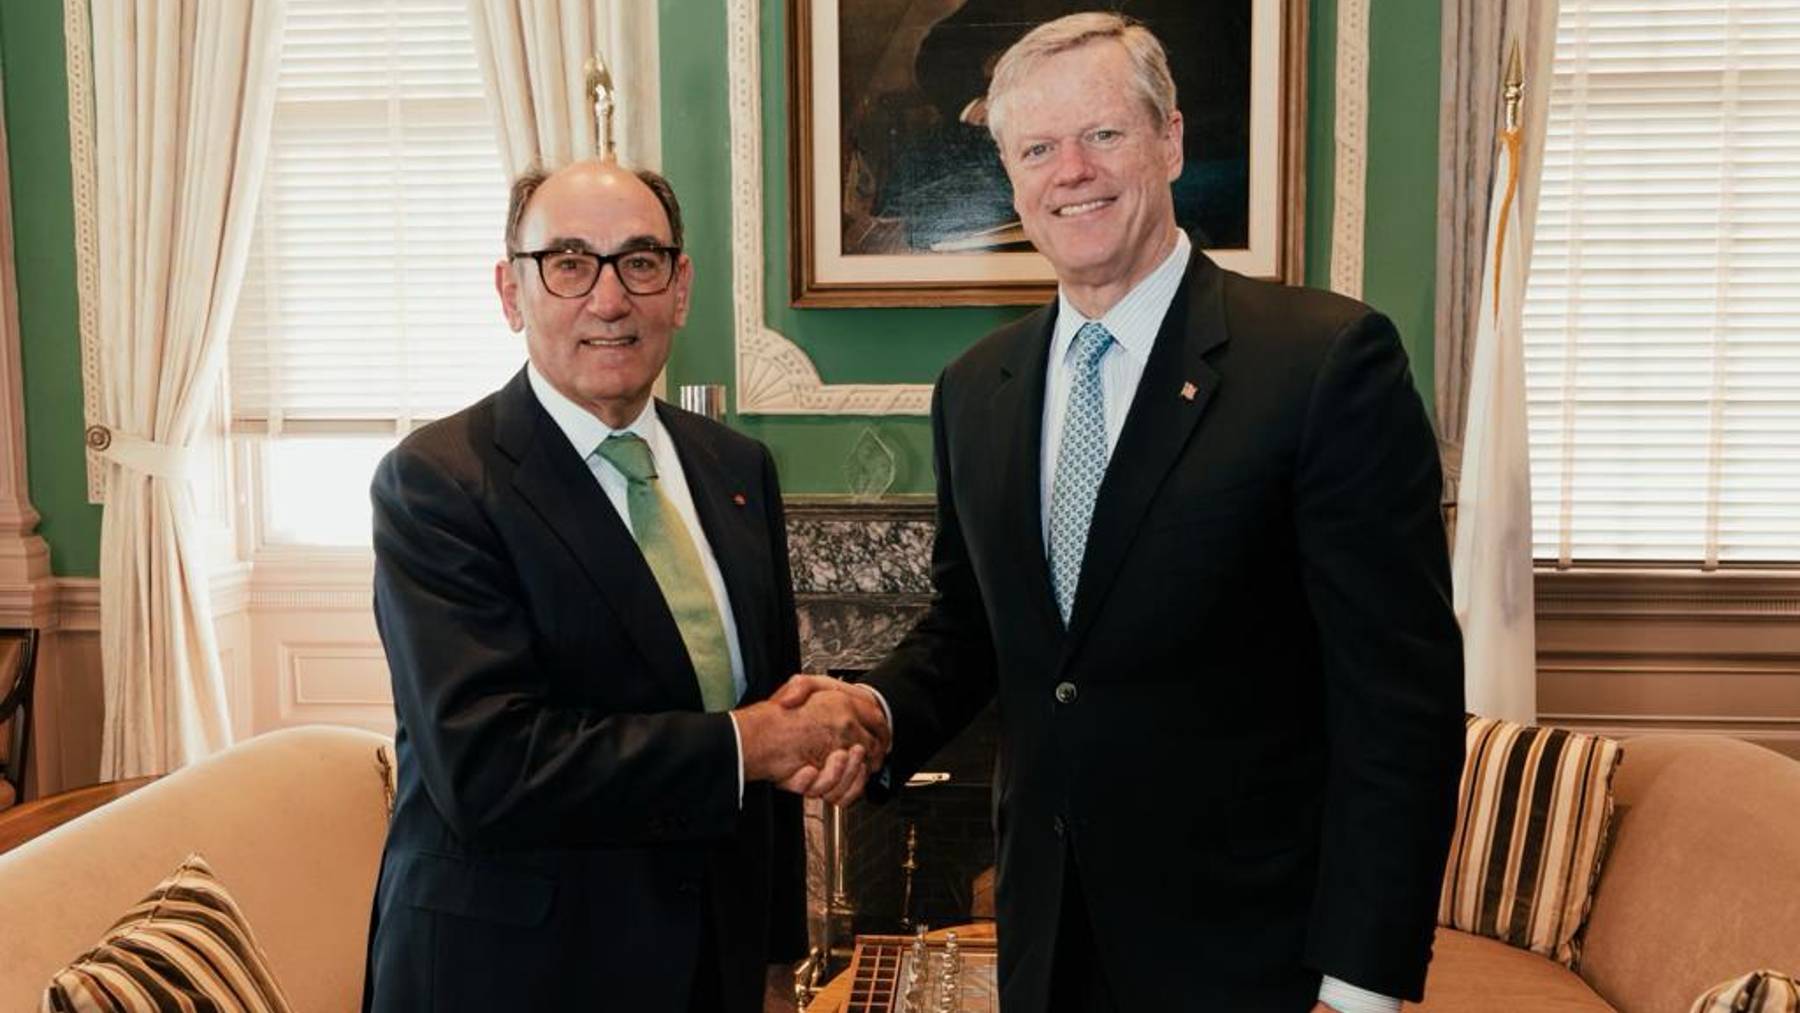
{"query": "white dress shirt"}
(586, 432)
(1133, 322)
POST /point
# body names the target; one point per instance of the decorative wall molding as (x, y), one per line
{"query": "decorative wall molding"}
(77, 606)
(82, 177)
(314, 674)
(1630, 650)
(1761, 596)
(774, 375)
(230, 589)
(32, 603)
(340, 582)
(25, 590)
(1351, 134)
(342, 599)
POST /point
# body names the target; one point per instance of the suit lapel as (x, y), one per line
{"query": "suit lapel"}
(1018, 428)
(553, 479)
(732, 538)
(1163, 415)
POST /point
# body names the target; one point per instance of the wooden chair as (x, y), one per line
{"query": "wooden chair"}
(18, 670)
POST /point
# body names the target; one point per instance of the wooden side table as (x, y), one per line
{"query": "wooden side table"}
(30, 819)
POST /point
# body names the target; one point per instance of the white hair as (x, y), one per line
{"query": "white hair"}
(1150, 76)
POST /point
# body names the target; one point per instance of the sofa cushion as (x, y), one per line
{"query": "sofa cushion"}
(1469, 974)
(1531, 828)
(1756, 992)
(185, 946)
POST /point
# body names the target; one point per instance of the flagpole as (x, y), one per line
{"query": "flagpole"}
(1492, 555)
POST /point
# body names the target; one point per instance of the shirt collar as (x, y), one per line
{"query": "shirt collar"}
(585, 430)
(1134, 320)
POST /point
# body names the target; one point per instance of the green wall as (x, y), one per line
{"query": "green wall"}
(847, 345)
(37, 143)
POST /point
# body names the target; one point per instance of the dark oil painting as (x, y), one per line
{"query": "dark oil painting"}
(920, 177)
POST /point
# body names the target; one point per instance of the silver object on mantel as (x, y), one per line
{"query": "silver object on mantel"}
(706, 399)
(600, 86)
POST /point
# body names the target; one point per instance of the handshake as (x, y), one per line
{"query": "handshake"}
(816, 736)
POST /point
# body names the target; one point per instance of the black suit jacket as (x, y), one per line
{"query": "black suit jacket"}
(1255, 760)
(567, 815)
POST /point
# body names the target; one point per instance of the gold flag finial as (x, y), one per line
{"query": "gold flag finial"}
(600, 86)
(1515, 87)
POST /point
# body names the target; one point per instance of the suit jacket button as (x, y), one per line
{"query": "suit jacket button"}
(1065, 692)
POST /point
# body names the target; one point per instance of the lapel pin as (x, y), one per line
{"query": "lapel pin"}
(1188, 390)
(737, 499)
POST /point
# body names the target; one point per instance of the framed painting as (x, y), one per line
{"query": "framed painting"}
(898, 194)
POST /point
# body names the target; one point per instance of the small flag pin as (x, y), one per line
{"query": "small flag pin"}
(737, 499)
(1188, 390)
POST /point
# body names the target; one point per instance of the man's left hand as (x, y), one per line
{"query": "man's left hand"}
(1319, 1007)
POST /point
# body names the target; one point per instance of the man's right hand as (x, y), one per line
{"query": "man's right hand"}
(817, 736)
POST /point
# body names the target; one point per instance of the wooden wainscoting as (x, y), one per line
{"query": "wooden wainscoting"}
(1629, 651)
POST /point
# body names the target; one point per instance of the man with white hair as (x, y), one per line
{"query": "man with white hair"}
(1189, 535)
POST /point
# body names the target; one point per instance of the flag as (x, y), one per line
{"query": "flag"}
(1492, 559)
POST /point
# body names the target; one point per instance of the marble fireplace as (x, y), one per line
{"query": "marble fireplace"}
(861, 578)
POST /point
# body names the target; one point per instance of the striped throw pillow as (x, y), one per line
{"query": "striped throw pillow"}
(1531, 829)
(1756, 992)
(184, 948)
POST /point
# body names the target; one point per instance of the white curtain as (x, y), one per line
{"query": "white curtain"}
(533, 54)
(1487, 204)
(183, 97)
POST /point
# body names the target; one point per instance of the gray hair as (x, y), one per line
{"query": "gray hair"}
(526, 183)
(1150, 76)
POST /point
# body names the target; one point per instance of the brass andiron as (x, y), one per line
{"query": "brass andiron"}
(806, 977)
(909, 866)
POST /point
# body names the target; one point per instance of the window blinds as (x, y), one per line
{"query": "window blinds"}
(1662, 316)
(368, 301)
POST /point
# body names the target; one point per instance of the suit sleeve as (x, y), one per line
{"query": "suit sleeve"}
(787, 881)
(943, 671)
(1376, 574)
(504, 762)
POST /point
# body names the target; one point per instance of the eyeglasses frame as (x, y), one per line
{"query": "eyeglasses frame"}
(605, 259)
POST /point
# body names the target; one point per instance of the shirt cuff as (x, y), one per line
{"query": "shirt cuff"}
(738, 737)
(1347, 998)
(887, 713)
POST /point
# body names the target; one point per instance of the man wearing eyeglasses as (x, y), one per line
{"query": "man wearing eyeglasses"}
(585, 600)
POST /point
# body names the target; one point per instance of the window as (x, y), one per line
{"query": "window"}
(1662, 317)
(368, 302)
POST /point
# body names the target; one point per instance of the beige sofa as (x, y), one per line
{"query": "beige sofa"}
(1702, 884)
(292, 822)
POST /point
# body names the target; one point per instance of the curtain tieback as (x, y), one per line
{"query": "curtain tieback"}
(164, 460)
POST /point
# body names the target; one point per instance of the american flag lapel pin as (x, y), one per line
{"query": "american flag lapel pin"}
(1188, 390)
(737, 499)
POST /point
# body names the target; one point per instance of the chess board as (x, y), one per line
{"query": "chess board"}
(883, 979)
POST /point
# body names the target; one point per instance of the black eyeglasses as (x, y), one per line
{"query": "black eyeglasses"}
(572, 274)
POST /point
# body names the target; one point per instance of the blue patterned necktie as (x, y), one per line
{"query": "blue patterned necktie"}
(1080, 465)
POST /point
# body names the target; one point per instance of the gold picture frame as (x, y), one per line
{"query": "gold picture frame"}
(895, 201)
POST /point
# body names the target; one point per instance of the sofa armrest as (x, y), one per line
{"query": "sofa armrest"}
(1702, 882)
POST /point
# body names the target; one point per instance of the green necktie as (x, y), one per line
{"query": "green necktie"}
(670, 551)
